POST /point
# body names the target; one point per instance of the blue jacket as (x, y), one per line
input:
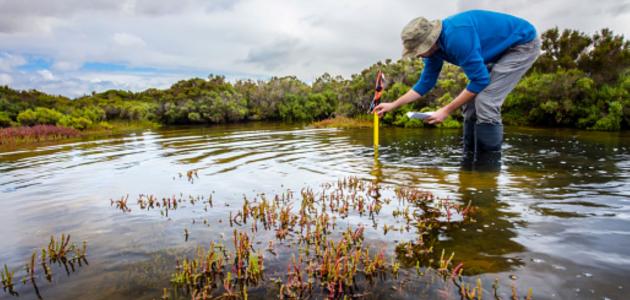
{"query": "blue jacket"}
(471, 40)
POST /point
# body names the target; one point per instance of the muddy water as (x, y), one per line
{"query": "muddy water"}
(554, 215)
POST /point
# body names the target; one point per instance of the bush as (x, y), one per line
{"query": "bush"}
(47, 116)
(194, 117)
(79, 123)
(612, 121)
(93, 113)
(40, 115)
(5, 119)
(27, 118)
(104, 125)
(450, 122)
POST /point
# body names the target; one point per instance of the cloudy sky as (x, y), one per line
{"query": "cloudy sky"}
(73, 47)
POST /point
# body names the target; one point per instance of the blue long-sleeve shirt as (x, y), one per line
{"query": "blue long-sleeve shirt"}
(470, 40)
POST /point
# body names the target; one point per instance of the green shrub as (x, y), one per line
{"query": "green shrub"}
(40, 115)
(450, 122)
(5, 119)
(194, 117)
(612, 121)
(80, 123)
(104, 125)
(47, 116)
(27, 118)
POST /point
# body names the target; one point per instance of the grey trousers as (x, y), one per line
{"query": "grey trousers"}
(504, 75)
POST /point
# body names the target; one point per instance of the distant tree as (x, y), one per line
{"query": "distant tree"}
(561, 50)
(609, 56)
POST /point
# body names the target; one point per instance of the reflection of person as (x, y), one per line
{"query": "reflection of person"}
(493, 49)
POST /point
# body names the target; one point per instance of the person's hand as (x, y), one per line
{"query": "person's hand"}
(437, 117)
(382, 108)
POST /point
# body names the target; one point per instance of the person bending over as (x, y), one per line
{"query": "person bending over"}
(493, 49)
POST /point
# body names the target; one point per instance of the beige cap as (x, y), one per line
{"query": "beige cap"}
(419, 35)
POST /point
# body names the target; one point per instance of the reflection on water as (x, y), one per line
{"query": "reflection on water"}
(554, 213)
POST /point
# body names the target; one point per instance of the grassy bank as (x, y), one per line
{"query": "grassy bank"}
(120, 126)
(344, 122)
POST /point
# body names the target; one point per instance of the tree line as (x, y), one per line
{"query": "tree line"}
(580, 81)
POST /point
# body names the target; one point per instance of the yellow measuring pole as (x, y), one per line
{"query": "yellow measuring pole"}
(375, 130)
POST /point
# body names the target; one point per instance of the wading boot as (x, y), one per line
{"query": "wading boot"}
(488, 137)
(488, 141)
(468, 155)
(469, 135)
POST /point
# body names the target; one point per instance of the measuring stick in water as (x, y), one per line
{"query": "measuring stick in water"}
(375, 129)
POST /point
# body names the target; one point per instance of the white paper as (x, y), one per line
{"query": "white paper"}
(419, 115)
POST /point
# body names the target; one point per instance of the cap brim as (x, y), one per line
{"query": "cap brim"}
(414, 53)
(424, 47)
(408, 53)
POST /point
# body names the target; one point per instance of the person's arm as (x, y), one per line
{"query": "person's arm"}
(428, 78)
(430, 73)
(442, 113)
(408, 97)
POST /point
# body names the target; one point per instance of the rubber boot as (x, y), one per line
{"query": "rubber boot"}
(469, 136)
(488, 137)
(489, 161)
(488, 141)
(468, 157)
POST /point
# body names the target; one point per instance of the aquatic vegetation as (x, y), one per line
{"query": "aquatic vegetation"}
(57, 249)
(60, 251)
(210, 269)
(325, 257)
(149, 202)
(121, 203)
(190, 175)
(333, 266)
(468, 291)
(7, 279)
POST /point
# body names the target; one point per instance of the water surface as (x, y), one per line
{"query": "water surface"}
(555, 215)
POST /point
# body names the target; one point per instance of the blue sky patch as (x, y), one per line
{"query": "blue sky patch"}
(35, 63)
(116, 67)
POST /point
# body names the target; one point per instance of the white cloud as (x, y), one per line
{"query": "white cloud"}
(127, 40)
(583, 15)
(9, 61)
(5, 79)
(64, 66)
(246, 38)
(46, 75)
(79, 83)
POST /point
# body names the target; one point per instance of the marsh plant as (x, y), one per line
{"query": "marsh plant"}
(59, 251)
(325, 255)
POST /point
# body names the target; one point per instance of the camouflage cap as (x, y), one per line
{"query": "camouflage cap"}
(419, 35)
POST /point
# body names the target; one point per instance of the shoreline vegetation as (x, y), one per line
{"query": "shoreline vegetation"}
(580, 81)
(38, 135)
(344, 122)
